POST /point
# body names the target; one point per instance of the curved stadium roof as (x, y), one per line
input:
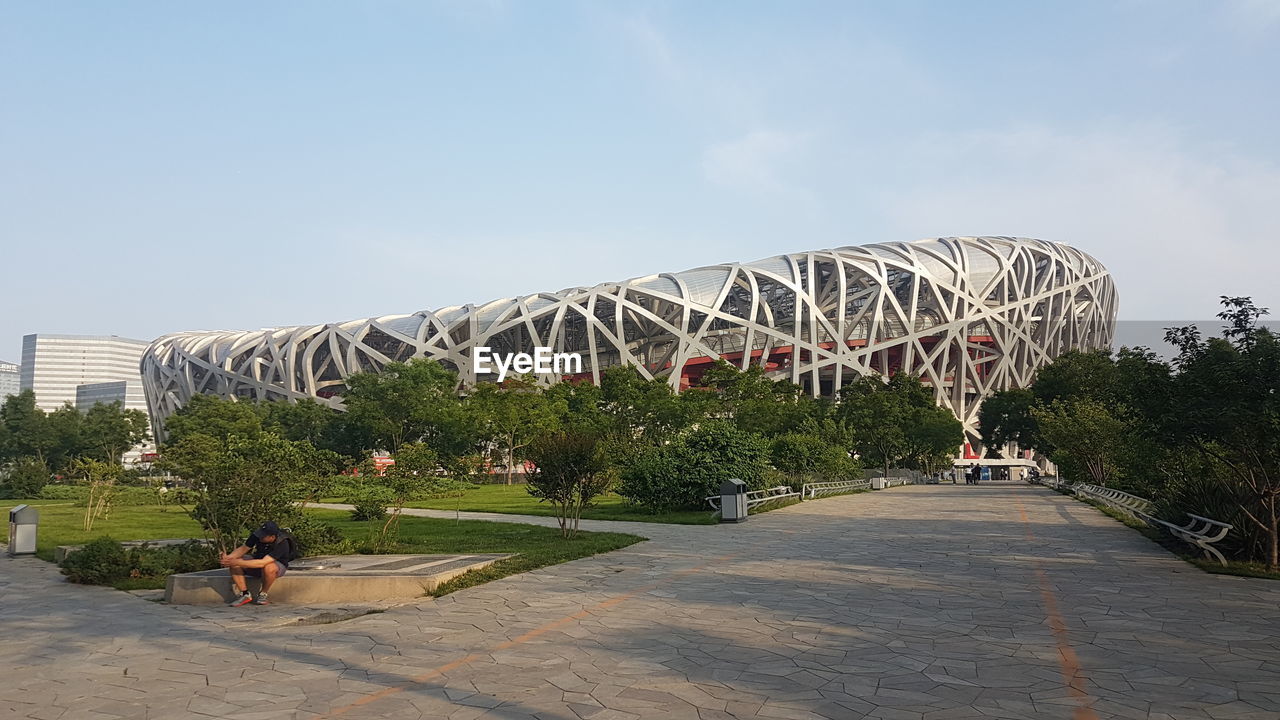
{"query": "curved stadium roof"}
(969, 315)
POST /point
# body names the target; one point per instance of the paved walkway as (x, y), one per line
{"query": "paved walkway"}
(919, 602)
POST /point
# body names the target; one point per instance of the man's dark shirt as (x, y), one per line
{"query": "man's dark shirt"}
(278, 549)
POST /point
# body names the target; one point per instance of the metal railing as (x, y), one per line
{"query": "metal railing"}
(822, 489)
(757, 498)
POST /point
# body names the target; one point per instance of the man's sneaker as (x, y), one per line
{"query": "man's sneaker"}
(244, 599)
(262, 599)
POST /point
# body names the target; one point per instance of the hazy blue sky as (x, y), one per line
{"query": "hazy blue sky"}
(171, 166)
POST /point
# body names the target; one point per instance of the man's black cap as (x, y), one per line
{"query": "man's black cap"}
(268, 528)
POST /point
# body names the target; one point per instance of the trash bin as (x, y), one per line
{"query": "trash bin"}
(878, 483)
(733, 501)
(22, 530)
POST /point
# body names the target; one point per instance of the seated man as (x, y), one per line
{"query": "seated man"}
(273, 549)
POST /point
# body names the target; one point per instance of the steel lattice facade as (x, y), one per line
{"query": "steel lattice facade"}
(969, 315)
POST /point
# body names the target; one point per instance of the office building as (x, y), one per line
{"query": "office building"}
(54, 366)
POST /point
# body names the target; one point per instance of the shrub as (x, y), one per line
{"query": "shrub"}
(64, 492)
(123, 495)
(99, 562)
(104, 561)
(684, 472)
(25, 479)
(1209, 497)
(371, 503)
(319, 538)
(810, 458)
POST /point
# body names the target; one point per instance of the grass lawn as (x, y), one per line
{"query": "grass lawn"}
(515, 499)
(535, 546)
(62, 523)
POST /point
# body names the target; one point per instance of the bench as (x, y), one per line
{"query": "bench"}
(1199, 531)
(820, 489)
(1137, 506)
(758, 498)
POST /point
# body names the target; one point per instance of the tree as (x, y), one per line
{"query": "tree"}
(305, 419)
(1005, 418)
(108, 430)
(27, 428)
(1228, 391)
(66, 428)
(415, 472)
(1076, 374)
(641, 409)
(808, 457)
(509, 417)
(683, 472)
(576, 406)
(875, 417)
(933, 435)
(25, 478)
(217, 418)
(1083, 432)
(240, 481)
(101, 477)
(571, 471)
(408, 402)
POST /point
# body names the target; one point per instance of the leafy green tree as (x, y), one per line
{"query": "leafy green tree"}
(690, 468)
(577, 407)
(305, 419)
(933, 435)
(805, 457)
(509, 417)
(217, 418)
(410, 402)
(66, 427)
(638, 408)
(239, 481)
(1074, 375)
(1228, 391)
(876, 414)
(27, 428)
(756, 403)
(416, 472)
(108, 431)
(25, 477)
(1005, 418)
(1084, 433)
(571, 471)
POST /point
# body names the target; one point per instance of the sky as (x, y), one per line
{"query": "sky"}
(185, 166)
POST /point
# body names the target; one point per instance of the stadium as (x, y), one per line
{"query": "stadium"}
(969, 315)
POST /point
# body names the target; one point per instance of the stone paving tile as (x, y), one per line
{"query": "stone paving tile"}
(919, 602)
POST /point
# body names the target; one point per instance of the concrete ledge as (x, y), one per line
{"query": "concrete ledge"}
(62, 551)
(334, 579)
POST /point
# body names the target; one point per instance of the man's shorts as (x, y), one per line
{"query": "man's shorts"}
(257, 572)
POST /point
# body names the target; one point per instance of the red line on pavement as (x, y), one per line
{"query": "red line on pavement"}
(1072, 674)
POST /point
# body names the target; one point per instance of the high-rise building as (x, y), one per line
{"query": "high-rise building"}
(10, 380)
(54, 366)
